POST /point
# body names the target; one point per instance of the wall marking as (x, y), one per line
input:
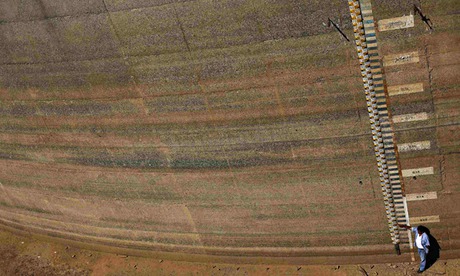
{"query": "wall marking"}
(422, 145)
(418, 171)
(405, 89)
(396, 23)
(426, 219)
(400, 59)
(410, 117)
(374, 89)
(421, 196)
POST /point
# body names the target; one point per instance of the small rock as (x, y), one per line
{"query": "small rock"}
(73, 256)
(337, 267)
(268, 268)
(22, 242)
(299, 268)
(237, 268)
(372, 266)
(39, 257)
(55, 252)
(90, 255)
(160, 261)
(66, 247)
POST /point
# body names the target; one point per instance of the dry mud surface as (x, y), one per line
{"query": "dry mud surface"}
(233, 128)
(26, 255)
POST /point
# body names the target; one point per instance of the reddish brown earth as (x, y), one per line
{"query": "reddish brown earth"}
(28, 255)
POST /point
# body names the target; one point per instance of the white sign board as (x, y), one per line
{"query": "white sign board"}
(426, 219)
(422, 145)
(405, 89)
(396, 23)
(400, 59)
(418, 171)
(410, 117)
(421, 196)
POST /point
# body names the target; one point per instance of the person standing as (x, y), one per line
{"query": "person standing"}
(422, 242)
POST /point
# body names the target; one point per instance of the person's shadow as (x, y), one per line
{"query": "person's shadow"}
(434, 251)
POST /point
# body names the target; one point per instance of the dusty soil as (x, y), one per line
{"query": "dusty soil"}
(28, 255)
(238, 143)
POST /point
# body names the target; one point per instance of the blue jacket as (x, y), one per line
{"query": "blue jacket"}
(425, 240)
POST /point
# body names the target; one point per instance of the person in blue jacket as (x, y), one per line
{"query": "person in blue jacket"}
(422, 242)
